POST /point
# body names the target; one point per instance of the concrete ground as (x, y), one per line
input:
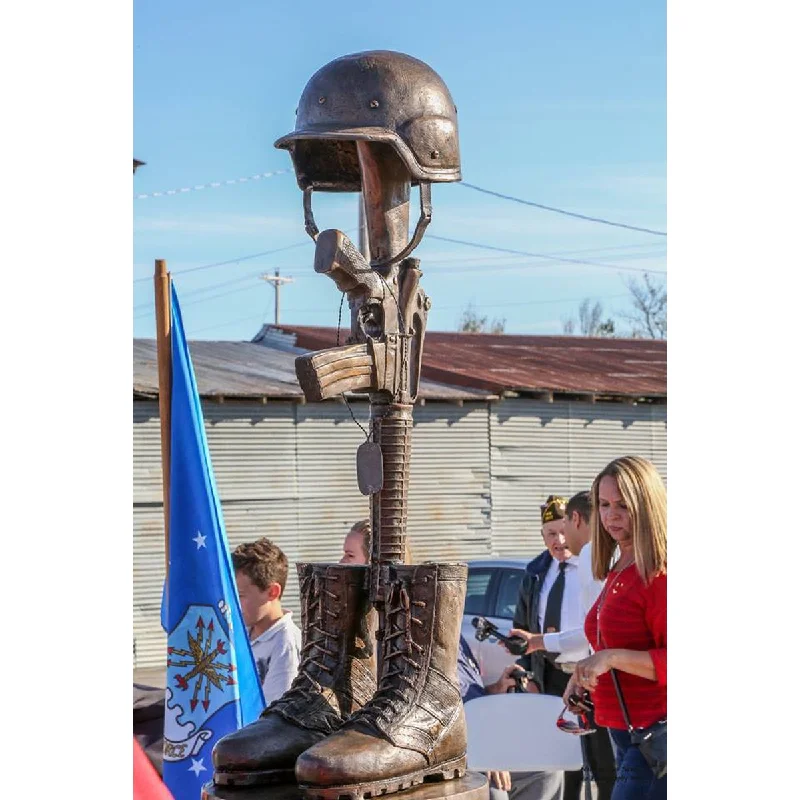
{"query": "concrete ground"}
(151, 676)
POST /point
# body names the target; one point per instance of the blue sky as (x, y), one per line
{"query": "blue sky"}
(563, 104)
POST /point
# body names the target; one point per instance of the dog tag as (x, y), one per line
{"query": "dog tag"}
(369, 468)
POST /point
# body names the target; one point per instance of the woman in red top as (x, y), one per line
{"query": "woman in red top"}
(627, 626)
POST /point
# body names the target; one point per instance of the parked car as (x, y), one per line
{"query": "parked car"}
(492, 592)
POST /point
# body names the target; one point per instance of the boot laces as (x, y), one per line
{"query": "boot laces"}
(319, 640)
(398, 648)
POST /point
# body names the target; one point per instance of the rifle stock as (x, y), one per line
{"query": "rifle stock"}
(327, 373)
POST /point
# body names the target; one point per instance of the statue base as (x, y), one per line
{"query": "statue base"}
(473, 786)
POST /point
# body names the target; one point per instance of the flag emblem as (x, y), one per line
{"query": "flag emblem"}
(197, 677)
(204, 657)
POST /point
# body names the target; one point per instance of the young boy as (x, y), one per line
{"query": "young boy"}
(261, 569)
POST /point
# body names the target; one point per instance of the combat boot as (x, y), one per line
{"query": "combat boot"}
(337, 675)
(414, 728)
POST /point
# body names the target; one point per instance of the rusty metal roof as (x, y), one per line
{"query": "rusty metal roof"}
(601, 367)
(244, 370)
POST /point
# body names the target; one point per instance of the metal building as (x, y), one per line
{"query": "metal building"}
(490, 442)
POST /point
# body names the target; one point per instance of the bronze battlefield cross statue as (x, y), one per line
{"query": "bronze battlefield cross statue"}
(375, 708)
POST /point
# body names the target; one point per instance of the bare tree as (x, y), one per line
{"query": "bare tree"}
(606, 328)
(589, 316)
(470, 322)
(649, 316)
(590, 320)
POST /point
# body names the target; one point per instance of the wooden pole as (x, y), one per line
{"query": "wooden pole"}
(162, 282)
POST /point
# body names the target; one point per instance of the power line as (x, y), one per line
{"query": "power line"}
(428, 261)
(226, 324)
(543, 255)
(203, 289)
(260, 175)
(231, 261)
(525, 263)
(435, 308)
(562, 211)
(533, 302)
(147, 308)
(213, 185)
(237, 259)
(642, 245)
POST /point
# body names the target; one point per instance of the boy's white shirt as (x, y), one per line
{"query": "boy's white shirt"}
(277, 656)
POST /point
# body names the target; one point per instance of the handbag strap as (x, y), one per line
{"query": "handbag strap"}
(613, 672)
(621, 699)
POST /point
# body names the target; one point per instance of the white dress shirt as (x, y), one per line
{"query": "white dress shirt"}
(579, 596)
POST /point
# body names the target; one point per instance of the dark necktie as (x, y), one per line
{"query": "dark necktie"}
(552, 611)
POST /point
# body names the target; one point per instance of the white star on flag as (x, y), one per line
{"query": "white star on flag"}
(197, 767)
(200, 539)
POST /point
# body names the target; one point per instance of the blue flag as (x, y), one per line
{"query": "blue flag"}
(212, 683)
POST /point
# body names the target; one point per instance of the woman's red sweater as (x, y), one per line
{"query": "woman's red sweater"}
(633, 616)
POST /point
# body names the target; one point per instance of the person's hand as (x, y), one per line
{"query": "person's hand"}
(533, 688)
(534, 641)
(506, 681)
(590, 669)
(572, 688)
(502, 780)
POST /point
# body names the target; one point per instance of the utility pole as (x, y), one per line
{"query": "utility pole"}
(277, 281)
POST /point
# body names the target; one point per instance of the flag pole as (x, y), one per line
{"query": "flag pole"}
(162, 282)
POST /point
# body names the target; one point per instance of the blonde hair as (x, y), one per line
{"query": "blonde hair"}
(644, 494)
(363, 527)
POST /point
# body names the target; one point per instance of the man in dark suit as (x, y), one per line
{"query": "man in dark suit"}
(547, 591)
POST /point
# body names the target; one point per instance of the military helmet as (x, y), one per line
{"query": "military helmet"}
(374, 96)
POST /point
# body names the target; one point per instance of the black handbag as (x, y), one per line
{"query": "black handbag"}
(651, 741)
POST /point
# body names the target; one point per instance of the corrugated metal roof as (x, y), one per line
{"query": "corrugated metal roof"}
(504, 362)
(246, 370)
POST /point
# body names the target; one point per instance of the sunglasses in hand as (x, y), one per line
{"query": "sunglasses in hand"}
(582, 727)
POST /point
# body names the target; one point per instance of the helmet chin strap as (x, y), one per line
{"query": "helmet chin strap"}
(311, 227)
(422, 223)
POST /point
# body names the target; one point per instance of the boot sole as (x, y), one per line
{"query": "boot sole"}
(456, 768)
(254, 778)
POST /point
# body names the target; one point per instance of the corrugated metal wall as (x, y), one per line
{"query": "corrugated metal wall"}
(449, 497)
(252, 449)
(327, 439)
(284, 468)
(540, 448)
(149, 642)
(287, 471)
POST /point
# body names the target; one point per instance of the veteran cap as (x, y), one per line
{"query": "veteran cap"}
(553, 508)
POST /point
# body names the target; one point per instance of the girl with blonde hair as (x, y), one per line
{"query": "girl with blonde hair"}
(627, 626)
